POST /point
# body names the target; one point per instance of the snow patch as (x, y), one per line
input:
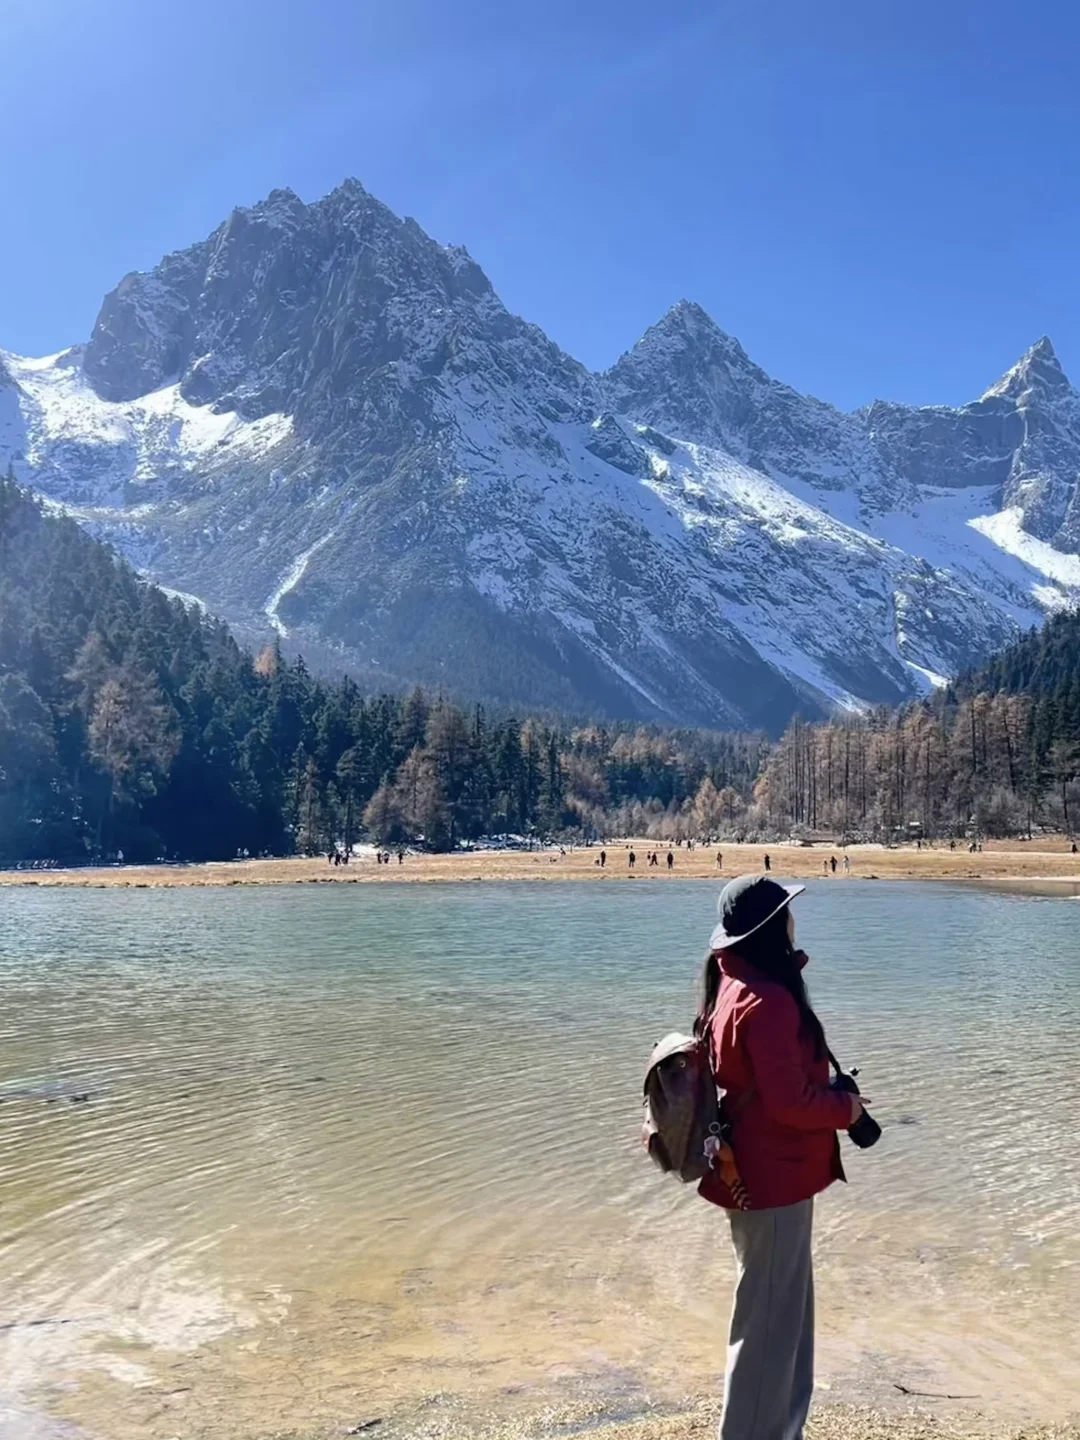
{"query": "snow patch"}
(67, 433)
(191, 602)
(933, 680)
(289, 581)
(1006, 530)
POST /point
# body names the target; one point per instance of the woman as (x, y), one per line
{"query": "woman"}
(769, 1055)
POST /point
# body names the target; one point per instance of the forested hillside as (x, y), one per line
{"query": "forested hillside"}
(1044, 664)
(997, 754)
(132, 724)
(127, 722)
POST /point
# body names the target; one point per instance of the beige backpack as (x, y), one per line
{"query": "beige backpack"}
(686, 1131)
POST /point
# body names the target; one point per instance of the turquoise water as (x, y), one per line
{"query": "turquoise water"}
(277, 1153)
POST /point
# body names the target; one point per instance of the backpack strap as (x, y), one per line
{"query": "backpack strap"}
(733, 1110)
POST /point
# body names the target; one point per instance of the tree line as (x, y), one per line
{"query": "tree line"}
(133, 724)
(997, 754)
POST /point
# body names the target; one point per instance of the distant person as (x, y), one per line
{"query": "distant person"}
(952, 844)
(603, 859)
(847, 864)
(769, 1053)
(670, 860)
(633, 859)
(825, 868)
(401, 857)
(832, 863)
(1074, 847)
(719, 859)
(768, 862)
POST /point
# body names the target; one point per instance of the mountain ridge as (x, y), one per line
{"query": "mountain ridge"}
(323, 423)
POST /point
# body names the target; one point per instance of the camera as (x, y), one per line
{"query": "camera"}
(866, 1131)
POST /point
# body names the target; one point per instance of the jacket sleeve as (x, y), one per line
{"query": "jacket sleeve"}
(787, 1093)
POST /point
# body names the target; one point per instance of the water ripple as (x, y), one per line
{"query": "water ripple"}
(211, 1098)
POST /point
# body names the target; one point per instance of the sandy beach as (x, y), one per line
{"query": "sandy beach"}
(1043, 865)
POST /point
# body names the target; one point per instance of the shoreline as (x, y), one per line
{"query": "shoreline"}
(697, 1419)
(1010, 866)
(835, 1421)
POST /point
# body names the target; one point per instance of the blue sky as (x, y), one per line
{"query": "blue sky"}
(878, 197)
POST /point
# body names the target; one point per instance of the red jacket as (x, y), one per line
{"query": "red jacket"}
(784, 1134)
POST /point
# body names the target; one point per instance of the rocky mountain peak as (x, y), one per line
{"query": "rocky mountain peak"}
(690, 318)
(323, 422)
(690, 379)
(686, 327)
(281, 207)
(1037, 374)
(687, 376)
(254, 317)
(281, 197)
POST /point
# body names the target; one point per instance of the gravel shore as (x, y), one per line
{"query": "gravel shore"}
(699, 1422)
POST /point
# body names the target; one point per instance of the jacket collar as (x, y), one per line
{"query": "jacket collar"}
(733, 965)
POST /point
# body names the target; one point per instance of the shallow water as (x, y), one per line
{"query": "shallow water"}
(272, 1159)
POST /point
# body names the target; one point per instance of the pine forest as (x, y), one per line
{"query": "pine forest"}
(132, 725)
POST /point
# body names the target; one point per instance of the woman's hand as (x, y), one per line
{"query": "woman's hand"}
(858, 1104)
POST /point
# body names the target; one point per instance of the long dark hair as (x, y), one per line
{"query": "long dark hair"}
(770, 952)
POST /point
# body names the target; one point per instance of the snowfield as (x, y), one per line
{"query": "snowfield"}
(125, 445)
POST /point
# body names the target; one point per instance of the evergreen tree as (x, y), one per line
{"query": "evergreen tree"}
(131, 722)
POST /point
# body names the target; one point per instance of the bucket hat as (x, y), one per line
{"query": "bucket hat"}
(746, 904)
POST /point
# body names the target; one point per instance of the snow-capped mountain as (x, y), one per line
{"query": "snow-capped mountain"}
(321, 422)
